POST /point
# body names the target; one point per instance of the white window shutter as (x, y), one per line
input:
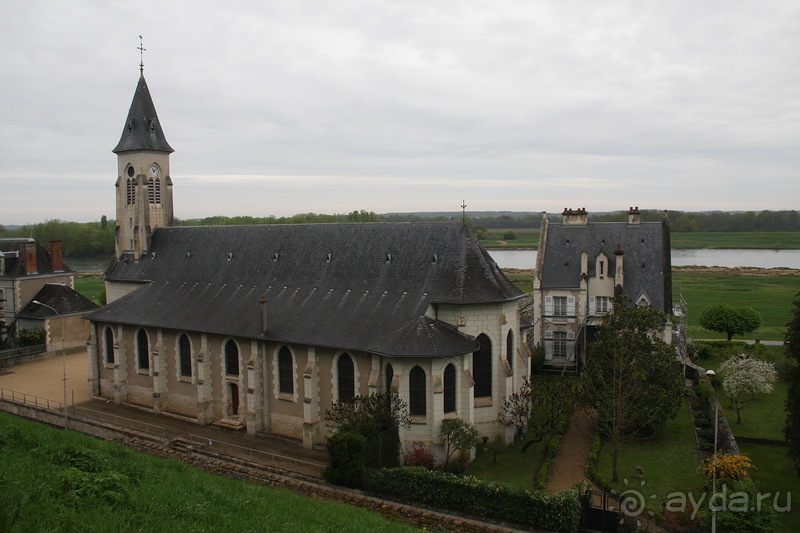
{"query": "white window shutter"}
(591, 305)
(548, 334)
(570, 305)
(571, 350)
(548, 350)
(610, 305)
(571, 335)
(548, 305)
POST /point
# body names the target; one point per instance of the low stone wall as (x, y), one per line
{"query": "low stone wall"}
(29, 358)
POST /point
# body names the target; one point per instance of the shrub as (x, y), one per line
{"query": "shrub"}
(347, 462)
(509, 235)
(728, 466)
(536, 509)
(420, 455)
(30, 337)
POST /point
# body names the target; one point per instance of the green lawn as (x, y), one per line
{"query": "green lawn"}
(55, 480)
(765, 240)
(513, 468)
(775, 473)
(525, 238)
(669, 460)
(771, 296)
(92, 288)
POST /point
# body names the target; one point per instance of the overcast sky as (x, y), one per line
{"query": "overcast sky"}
(284, 107)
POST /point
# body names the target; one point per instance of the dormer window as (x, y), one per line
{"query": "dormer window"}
(602, 268)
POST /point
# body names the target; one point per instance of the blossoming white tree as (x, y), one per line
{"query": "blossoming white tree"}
(745, 376)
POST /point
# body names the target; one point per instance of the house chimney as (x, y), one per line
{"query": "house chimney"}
(263, 314)
(29, 258)
(633, 215)
(57, 255)
(575, 217)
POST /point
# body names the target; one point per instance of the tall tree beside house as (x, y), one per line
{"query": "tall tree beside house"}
(630, 376)
(792, 347)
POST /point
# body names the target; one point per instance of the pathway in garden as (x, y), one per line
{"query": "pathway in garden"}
(569, 466)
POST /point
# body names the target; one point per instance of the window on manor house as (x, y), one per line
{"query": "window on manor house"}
(482, 367)
(560, 344)
(185, 355)
(285, 371)
(231, 358)
(450, 389)
(417, 404)
(603, 304)
(559, 305)
(345, 371)
(143, 350)
(109, 346)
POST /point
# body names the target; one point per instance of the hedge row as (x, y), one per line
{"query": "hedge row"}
(467, 494)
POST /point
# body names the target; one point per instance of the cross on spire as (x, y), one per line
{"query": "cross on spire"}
(463, 212)
(142, 50)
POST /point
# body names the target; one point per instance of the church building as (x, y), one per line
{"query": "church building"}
(264, 327)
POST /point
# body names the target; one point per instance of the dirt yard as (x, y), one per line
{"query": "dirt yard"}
(44, 378)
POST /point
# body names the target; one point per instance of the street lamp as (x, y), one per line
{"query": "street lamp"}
(711, 375)
(63, 355)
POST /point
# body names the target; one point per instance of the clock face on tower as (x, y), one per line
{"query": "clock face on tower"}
(153, 171)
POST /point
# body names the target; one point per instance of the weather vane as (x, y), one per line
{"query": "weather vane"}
(142, 50)
(463, 212)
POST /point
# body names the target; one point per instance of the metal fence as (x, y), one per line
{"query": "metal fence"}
(26, 350)
(267, 458)
(121, 421)
(30, 399)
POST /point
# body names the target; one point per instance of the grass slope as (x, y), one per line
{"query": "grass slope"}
(117, 489)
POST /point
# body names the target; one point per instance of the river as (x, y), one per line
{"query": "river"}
(527, 259)
(699, 257)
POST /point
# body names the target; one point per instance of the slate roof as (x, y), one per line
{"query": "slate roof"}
(61, 298)
(350, 286)
(15, 265)
(647, 261)
(142, 130)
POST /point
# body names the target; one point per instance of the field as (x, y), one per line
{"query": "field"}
(53, 480)
(92, 287)
(765, 240)
(770, 292)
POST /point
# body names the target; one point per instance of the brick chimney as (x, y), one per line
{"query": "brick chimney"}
(577, 217)
(57, 255)
(633, 215)
(29, 258)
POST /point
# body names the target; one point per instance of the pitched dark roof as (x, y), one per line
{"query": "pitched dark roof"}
(62, 298)
(142, 129)
(351, 286)
(647, 262)
(14, 263)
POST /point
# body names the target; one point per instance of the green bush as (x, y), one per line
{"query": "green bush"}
(347, 459)
(509, 235)
(535, 509)
(30, 337)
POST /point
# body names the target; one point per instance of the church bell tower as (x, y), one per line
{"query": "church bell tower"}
(144, 186)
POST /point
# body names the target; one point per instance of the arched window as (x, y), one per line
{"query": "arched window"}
(158, 190)
(109, 346)
(185, 355)
(143, 350)
(450, 389)
(389, 377)
(285, 371)
(231, 358)
(417, 405)
(482, 367)
(510, 349)
(151, 191)
(347, 378)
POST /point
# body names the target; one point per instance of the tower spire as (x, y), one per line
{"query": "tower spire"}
(142, 50)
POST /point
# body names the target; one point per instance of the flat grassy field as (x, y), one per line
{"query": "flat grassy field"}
(774, 474)
(525, 238)
(669, 460)
(91, 287)
(764, 240)
(770, 292)
(55, 480)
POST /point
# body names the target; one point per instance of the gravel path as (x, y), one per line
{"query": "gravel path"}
(43, 378)
(569, 466)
